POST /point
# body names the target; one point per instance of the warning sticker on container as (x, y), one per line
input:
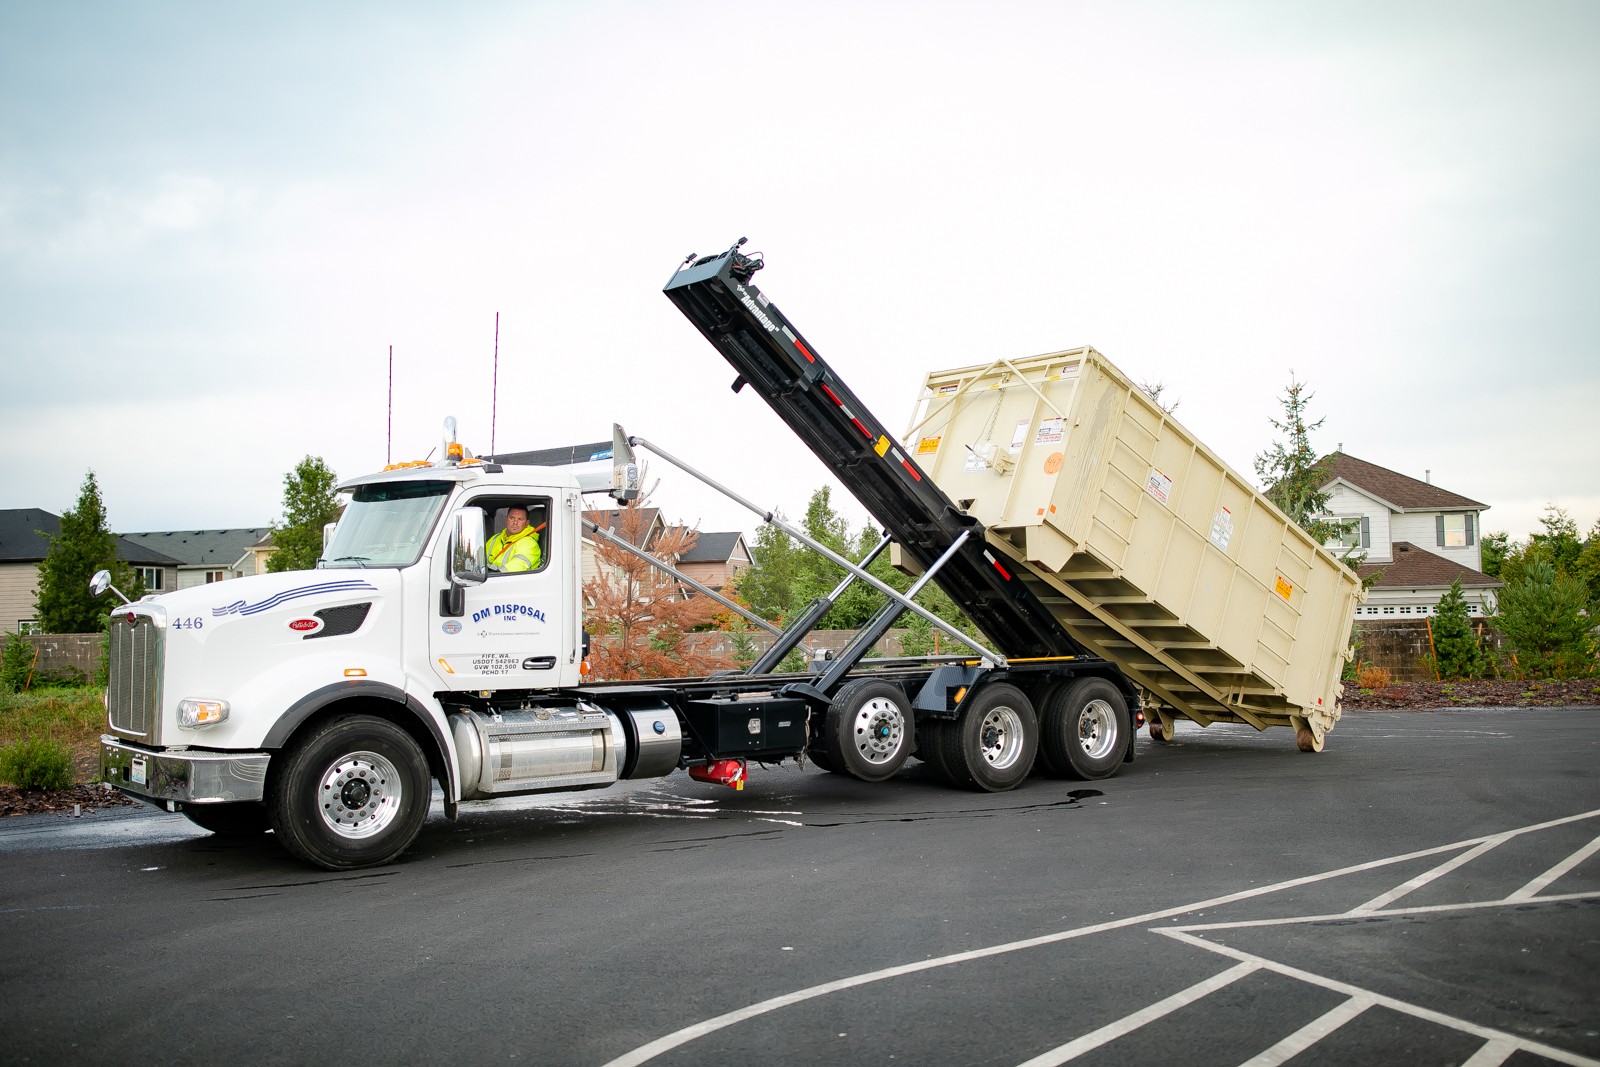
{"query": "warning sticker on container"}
(1222, 528)
(1066, 370)
(947, 389)
(1050, 432)
(1283, 588)
(928, 445)
(1158, 485)
(1019, 435)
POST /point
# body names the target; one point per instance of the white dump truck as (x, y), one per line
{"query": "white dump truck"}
(325, 705)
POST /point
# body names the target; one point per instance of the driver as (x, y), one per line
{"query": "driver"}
(516, 548)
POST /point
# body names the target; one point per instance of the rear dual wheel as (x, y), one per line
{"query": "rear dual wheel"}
(1087, 729)
(991, 746)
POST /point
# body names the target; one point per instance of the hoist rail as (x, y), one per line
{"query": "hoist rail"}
(775, 359)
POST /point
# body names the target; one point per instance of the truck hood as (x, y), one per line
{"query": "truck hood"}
(273, 594)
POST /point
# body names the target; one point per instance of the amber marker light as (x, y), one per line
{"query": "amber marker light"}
(354, 672)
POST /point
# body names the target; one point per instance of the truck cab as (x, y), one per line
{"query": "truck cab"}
(418, 656)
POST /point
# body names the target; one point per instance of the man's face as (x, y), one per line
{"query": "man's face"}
(516, 521)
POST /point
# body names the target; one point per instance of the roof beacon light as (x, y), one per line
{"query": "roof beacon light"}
(452, 448)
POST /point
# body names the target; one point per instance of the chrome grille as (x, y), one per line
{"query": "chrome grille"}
(133, 696)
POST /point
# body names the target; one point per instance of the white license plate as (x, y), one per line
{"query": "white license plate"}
(136, 771)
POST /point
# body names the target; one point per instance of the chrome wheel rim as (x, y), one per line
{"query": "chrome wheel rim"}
(1000, 737)
(1097, 729)
(879, 730)
(359, 795)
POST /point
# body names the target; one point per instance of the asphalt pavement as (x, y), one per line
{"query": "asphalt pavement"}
(1425, 890)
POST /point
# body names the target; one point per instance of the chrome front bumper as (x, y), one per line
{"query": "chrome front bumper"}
(186, 776)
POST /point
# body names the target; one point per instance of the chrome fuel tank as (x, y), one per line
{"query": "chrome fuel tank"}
(534, 749)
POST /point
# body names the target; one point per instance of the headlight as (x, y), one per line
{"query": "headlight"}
(192, 713)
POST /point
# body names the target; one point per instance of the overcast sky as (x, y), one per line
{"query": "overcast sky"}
(216, 219)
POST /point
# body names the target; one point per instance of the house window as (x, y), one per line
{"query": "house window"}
(215, 576)
(151, 577)
(1355, 531)
(1389, 610)
(27, 626)
(1454, 531)
(1406, 610)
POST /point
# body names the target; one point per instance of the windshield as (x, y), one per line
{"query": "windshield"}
(386, 525)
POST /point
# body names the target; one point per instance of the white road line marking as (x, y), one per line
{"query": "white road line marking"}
(1149, 1014)
(1529, 891)
(1492, 1054)
(1309, 1034)
(1427, 876)
(667, 1042)
(1421, 909)
(1549, 1052)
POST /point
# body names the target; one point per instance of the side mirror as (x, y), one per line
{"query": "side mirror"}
(327, 536)
(469, 556)
(101, 582)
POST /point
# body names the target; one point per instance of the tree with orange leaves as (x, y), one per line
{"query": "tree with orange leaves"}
(638, 614)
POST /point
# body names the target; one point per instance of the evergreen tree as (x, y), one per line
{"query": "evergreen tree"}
(1542, 616)
(84, 546)
(1456, 652)
(1293, 475)
(308, 506)
(1494, 547)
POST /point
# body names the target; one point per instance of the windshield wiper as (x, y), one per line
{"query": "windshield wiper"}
(360, 561)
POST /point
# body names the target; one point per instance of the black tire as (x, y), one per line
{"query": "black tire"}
(817, 754)
(1043, 702)
(991, 747)
(930, 748)
(869, 732)
(233, 820)
(1087, 729)
(352, 792)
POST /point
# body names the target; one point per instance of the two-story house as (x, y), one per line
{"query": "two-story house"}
(25, 535)
(1417, 538)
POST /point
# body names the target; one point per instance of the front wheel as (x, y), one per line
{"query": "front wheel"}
(352, 793)
(232, 820)
(992, 745)
(1087, 729)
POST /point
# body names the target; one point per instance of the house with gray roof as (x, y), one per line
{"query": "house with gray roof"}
(201, 556)
(1417, 538)
(716, 557)
(25, 535)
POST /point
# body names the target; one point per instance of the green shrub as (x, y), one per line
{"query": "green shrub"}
(16, 663)
(36, 763)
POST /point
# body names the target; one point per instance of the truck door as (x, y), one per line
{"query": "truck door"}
(510, 635)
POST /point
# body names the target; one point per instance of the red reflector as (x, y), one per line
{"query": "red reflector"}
(862, 428)
(1003, 572)
(906, 463)
(801, 346)
(832, 396)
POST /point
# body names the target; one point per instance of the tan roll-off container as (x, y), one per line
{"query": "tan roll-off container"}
(1148, 548)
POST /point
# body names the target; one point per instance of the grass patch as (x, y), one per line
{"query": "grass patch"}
(70, 718)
